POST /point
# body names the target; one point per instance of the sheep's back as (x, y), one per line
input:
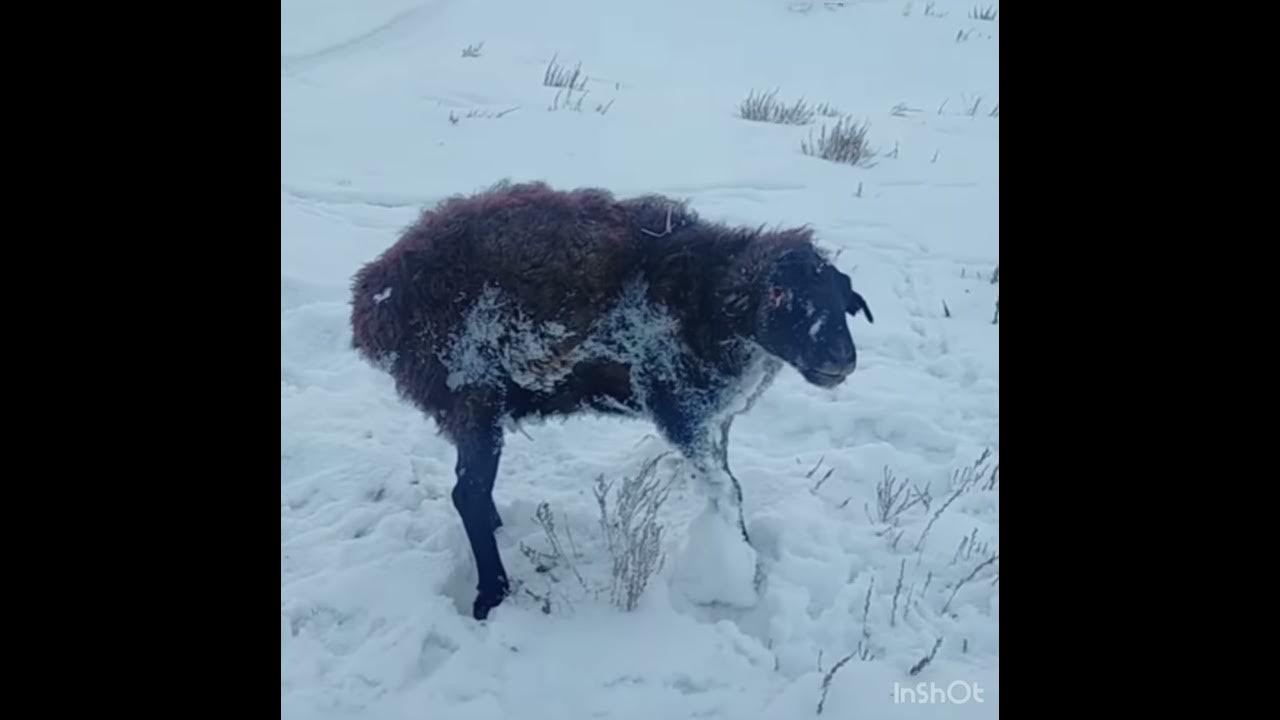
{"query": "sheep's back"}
(502, 284)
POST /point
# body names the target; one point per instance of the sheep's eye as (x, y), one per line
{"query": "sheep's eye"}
(777, 296)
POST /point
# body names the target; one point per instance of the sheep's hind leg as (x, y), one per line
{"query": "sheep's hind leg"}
(478, 454)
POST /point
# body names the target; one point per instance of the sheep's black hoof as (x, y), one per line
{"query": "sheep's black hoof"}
(487, 600)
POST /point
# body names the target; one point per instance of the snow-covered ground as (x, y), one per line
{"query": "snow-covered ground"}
(376, 573)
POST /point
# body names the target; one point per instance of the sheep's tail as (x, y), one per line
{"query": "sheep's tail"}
(376, 313)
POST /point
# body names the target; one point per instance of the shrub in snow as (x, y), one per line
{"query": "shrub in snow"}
(631, 531)
(988, 13)
(846, 143)
(766, 108)
(557, 75)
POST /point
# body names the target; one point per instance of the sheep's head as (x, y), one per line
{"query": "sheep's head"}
(800, 318)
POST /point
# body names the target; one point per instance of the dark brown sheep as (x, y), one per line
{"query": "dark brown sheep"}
(526, 301)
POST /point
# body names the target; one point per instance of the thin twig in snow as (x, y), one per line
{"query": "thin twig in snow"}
(826, 681)
(969, 577)
(924, 662)
(894, 612)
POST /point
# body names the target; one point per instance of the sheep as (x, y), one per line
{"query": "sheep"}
(523, 301)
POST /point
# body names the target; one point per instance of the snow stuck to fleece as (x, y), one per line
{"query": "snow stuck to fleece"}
(376, 573)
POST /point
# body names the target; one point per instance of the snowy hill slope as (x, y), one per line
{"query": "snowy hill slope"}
(376, 573)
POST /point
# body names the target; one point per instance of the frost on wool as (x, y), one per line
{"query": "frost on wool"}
(497, 341)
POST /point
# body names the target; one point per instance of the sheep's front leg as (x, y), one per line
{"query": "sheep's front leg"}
(733, 490)
(710, 460)
(478, 454)
(718, 564)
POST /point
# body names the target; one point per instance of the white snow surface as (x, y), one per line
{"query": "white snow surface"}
(376, 574)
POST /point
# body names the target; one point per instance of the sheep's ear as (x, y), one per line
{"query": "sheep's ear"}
(855, 302)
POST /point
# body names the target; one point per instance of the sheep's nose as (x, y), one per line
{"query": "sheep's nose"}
(841, 358)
